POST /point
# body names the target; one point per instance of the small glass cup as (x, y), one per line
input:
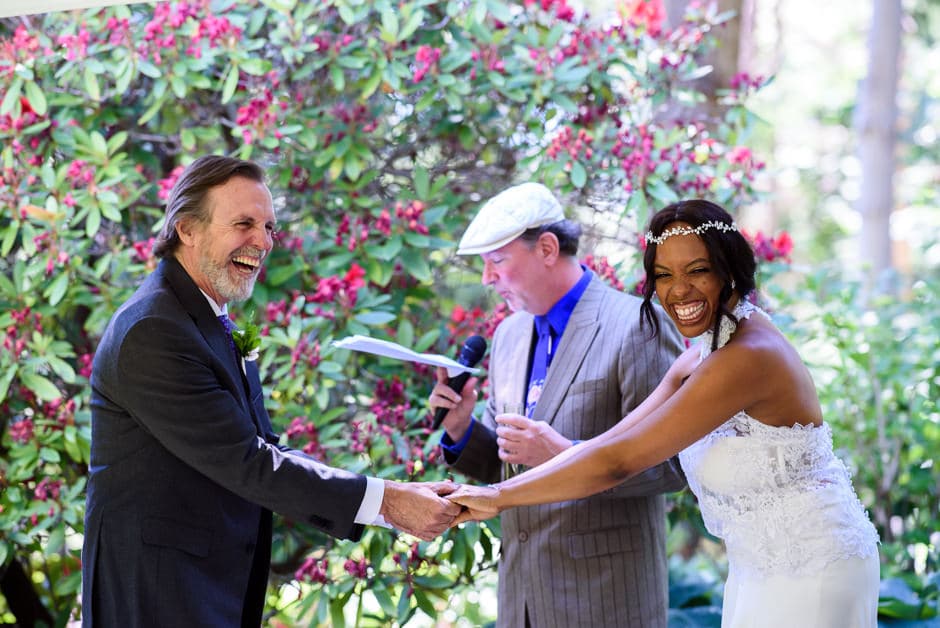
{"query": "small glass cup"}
(510, 469)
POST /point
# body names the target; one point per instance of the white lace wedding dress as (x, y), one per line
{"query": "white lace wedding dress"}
(801, 550)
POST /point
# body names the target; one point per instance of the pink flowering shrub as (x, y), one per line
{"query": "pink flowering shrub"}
(381, 132)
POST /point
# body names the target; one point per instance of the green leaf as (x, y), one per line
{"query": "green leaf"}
(56, 290)
(93, 221)
(148, 69)
(9, 238)
(92, 89)
(578, 174)
(125, 75)
(404, 607)
(99, 146)
(336, 168)
(12, 97)
(425, 603)
(406, 333)
(387, 251)
(385, 600)
(283, 273)
(353, 167)
(429, 98)
(429, 338)
(371, 84)
(50, 455)
(661, 193)
(421, 182)
(5, 380)
(116, 141)
(499, 10)
(42, 387)
(70, 443)
(377, 317)
(414, 21)
(574, 75)
(347, 15)
(416, 263)
(330, 368)
(230, 84)
(179, 86)
(36, 98)
(389, 25)
(255, 66)
(554, 35)
(188, 139)
(339, 80)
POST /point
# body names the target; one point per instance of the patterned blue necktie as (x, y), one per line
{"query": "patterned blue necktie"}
(541, 359)
(229, 328)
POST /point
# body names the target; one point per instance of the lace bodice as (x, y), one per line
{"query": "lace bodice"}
(778, 496)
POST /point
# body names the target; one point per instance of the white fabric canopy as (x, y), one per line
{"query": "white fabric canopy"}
(9, 8)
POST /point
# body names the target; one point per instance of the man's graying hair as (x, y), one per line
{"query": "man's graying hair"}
(568, 233)
(188, 196)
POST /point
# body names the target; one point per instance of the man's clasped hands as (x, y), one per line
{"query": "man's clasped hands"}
(461, 503)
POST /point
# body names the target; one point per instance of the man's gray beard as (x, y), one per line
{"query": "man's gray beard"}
(222, 283)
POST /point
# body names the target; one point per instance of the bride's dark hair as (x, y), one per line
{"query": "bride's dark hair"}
(731, 256)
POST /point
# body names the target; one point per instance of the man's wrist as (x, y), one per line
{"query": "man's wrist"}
(457, 446)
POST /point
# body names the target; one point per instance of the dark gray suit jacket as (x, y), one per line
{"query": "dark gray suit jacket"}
(185, 470)
(598, 561)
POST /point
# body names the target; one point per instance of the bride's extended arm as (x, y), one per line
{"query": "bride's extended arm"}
(672, 380)
(670, 420)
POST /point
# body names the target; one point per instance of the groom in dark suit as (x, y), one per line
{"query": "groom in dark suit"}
(185, 466)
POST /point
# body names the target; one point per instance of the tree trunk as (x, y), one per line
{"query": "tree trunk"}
(876, 125)
(726, 60)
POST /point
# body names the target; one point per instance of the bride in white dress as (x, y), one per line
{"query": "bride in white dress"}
(801, 550)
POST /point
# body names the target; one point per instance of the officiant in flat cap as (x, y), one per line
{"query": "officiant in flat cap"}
(568, 364)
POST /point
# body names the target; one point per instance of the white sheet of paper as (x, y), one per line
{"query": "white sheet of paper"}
(394, 350)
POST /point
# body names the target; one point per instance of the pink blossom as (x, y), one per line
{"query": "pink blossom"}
(21, 431)
(649, 13)
(164, 186)
(425, 60)
(313, 570)
(357, 568)
(739, 155)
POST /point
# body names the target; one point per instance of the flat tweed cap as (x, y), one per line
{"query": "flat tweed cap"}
(507, 215)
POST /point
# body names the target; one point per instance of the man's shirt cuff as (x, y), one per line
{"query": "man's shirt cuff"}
(371, 504)
(454, 449)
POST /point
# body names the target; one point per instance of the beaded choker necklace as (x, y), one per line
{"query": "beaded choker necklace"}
(743, 309)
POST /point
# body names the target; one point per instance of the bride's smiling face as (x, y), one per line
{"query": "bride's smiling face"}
(686, 284)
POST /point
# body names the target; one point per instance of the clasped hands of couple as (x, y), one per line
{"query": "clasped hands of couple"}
(521, 441)
(471, 503)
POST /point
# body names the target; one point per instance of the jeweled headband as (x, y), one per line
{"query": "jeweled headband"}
(686, 230)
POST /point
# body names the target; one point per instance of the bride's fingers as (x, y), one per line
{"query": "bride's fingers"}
(464, 517)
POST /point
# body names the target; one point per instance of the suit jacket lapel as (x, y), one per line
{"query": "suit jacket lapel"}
(209, 326)
(511, 387)
(514, 388)
(256, 402)
(579, 335)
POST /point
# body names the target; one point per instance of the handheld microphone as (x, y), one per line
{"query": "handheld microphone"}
(471, 353)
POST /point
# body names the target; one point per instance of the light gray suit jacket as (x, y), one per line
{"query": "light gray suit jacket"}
(599, 561)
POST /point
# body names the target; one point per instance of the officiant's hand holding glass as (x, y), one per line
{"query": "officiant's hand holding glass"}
(525, 442)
